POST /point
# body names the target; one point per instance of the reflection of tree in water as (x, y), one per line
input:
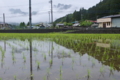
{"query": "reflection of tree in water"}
(106, 56)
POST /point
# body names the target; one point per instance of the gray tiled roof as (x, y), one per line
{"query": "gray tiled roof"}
(111, 16)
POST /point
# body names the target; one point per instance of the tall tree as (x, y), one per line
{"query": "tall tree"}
(28, 24)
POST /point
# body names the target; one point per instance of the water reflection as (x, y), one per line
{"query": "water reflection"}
(51, 61)
(73, 58)
(104, 45)
(102, 51)
(5, 45)
(31, 68)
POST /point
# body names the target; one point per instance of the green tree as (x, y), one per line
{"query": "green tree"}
(67, 18)
(28, 24)
(69, 24)
(86, 23)
(22, 25)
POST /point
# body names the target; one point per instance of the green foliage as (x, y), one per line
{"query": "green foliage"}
(67, 18)
(28, 24)
(68, 24)
(65, 23)
(22, 25)
(86, 23)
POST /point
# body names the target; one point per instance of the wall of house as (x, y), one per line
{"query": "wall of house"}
(115, 22)
(108, 24)
(100, 25)
(104, 20)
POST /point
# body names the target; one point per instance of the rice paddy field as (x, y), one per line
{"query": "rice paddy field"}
(58, 56)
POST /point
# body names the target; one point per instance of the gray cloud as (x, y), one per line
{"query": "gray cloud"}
(19, 11)
(62, 6)
(34, 13)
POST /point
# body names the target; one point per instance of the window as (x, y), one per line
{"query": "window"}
(108, 23)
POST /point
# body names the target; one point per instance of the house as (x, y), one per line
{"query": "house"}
(109, 21)
(60, 25)
(76, 24)
(5, 26)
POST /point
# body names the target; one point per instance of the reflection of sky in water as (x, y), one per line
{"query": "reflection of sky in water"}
(72, 63)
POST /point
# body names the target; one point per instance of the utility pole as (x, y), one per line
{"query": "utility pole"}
(51, 11)
(49, 16)
(4, 19)
(30, 16)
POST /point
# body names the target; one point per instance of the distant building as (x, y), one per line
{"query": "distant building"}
(60, 25)
(5, 26)
(76, 24)
(109, 21)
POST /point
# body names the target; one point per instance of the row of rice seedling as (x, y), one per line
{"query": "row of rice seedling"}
(82, 43)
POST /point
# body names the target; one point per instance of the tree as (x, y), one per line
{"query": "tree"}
(69, 24)
(67, 18)
(65, 23)
(86, 23)
(74, 15)
(22, 25)
(28, 24)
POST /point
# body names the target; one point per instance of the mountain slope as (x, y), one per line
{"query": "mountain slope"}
(104, 8)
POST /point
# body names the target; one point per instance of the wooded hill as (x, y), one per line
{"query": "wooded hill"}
(103, 8)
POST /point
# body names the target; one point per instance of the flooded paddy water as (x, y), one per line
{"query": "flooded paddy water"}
(59, 59)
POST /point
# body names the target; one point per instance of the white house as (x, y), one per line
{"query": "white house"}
(109, 21)
(60, 25)
(76, 24)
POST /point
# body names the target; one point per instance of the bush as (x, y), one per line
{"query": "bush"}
(68, 24)
(86, 23)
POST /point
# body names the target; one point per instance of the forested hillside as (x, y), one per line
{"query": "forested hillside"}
(103, 8)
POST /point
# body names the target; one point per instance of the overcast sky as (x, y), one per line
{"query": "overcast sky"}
(18, 10)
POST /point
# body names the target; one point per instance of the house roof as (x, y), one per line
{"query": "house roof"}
(76, 24)
(91, 20)
(59, 24)
(111, 16)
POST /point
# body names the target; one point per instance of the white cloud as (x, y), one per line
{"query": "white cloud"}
(40, 9)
